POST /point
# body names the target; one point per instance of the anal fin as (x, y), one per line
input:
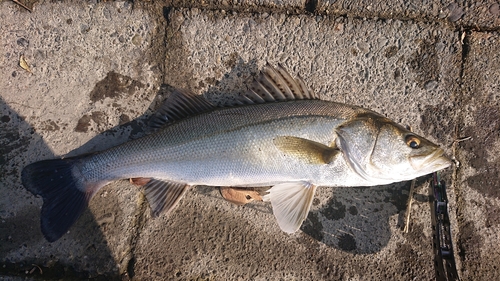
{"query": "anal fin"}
(291, 203)
(163, 196)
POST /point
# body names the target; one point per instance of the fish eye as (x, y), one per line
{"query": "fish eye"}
(412, 141)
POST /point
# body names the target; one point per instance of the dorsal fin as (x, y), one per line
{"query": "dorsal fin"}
(273, 84)
(276, 84)
(179, 105)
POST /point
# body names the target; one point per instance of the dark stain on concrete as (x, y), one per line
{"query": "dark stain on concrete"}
(335, 210)
(398, 197)
(316, 202)
(347, 242)
(83, 124)
(416, 238)
(353, 210)
(414, 255)
(391, 51)
(313, 227)
(485, 132)
(124, 118)
(232, 60)
(397, 74)
(424, 63)
(113, 86)
(49, 125)
(100, 118)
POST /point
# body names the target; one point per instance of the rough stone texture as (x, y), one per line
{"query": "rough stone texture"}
(86, 77)
(482, 15)
(404, 71)
(476, 14)
(479, 205)
(293, 6)
(96, 67)
(381, 65)
(421, 10)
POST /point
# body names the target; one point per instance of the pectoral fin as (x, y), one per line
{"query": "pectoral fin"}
(162, 196)
(291, 203)
(307, 150)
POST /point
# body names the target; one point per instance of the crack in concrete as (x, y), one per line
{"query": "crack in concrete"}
(127, 262)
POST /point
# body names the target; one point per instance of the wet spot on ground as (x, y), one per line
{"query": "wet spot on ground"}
(424, 63)
(49, 125)
(113, 86)
(99, 118)
(313, 227)
(335, 210)
(347, 242)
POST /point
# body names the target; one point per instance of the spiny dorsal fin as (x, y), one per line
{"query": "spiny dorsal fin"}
(310, 151)
(163, 196)
(291, 202)
(276, 84)
(179, 105)
(273, 84)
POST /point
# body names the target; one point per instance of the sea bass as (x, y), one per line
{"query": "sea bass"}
(279, 134)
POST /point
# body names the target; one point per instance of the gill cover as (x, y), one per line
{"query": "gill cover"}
(357, 139)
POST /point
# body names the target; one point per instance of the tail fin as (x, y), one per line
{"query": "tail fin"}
(65, 196)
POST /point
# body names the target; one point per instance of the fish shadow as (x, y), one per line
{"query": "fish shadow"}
(358, 219)
(22, 245)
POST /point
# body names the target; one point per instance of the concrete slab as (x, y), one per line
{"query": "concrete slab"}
(403, 70)
(479, 15)
(421, 10)
(479, 205)
(475, 14)
(286, 6)
(482, 15)
(92, 67)
(97, 66)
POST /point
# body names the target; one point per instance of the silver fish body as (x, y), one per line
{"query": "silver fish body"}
(293, 143)
(234, 147)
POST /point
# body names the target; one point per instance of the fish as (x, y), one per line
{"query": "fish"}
(279, 133)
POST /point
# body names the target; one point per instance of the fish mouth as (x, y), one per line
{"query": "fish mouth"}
(430, 162)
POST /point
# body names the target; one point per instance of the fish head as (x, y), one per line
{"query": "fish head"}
(381, 151)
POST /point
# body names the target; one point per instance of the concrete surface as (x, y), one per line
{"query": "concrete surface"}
(479, 203)
(97, 67)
